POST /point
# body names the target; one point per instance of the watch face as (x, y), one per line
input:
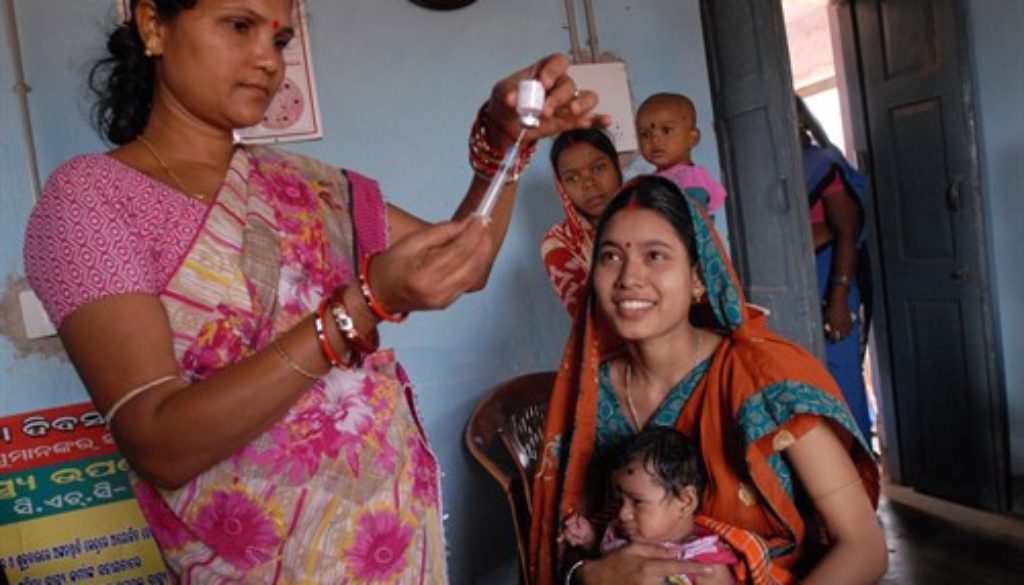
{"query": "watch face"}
(443, 4)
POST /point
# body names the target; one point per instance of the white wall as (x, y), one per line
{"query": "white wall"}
(398, 88)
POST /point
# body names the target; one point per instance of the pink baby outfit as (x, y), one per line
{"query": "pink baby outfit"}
(694, 176)
(702, 546)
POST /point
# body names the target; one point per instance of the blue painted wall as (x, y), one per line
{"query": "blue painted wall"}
(997, 30)
(398, 88)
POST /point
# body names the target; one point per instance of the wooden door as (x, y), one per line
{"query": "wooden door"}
(930, 234)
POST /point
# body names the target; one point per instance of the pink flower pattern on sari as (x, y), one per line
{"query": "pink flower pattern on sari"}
(290, 189)
(335, 420)
(377, 551)
(237, 528)
(223, 340)
(424, 471)
(167, 528)
(310, 266)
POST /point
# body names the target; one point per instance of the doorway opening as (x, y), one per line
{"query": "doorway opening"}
(816, 63)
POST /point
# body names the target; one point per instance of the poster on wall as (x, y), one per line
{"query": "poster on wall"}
(67, 510)
(294, 113)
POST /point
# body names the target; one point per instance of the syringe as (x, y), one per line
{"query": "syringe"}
(530, 104)
(498, 180)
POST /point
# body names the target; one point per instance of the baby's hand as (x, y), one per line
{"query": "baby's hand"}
(578, 531)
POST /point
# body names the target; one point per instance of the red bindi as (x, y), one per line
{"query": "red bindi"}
(275, 25)
(629, 244)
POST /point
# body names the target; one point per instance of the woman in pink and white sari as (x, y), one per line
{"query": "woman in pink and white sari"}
(220, 303)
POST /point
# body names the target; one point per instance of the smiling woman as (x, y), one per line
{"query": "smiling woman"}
(221, 303)
(668, 341)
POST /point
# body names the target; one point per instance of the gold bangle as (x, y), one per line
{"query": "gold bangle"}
(131, 394)
(291, 363)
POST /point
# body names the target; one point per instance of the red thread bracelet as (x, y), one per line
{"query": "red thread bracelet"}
(371, 299)
(325, 342)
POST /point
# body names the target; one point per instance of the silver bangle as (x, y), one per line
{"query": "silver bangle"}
(572, 571)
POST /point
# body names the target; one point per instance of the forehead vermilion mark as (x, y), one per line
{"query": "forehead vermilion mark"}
(275, 25)
(629, 244)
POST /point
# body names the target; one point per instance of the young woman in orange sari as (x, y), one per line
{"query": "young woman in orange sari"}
(668, 340)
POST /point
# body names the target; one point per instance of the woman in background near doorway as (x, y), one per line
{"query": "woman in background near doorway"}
(836, 192)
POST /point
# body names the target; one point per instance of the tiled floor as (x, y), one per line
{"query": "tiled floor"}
(927, 549)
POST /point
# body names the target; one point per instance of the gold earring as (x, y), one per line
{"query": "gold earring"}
(150, 50)
(698, 292)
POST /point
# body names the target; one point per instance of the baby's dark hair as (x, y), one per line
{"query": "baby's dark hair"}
(668, 455)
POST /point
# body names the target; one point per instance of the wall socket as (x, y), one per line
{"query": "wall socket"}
(37, 324)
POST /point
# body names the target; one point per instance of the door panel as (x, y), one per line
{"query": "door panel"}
(930, 230)
(925, 224)
(756, 131)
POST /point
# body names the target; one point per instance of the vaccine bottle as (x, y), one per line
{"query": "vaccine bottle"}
(530, 102)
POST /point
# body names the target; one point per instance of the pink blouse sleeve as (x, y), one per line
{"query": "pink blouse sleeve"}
(80, 245)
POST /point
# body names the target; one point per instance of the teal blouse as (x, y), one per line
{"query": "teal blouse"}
(613, 425)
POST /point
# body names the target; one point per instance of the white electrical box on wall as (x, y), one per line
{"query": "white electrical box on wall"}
(611, 83)
(37, 324)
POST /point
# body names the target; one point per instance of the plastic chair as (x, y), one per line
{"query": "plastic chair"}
(504, 434)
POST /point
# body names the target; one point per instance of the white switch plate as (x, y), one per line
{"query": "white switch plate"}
(37, 324)
(611, 83)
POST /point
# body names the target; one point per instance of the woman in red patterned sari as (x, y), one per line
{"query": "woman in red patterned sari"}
(587, 174)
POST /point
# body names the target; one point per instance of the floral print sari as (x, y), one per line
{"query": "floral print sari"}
(344, 488)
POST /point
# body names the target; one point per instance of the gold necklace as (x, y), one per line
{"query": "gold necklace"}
(181, 185)
(629, 394)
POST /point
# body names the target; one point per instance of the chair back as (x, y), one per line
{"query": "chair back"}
(504, 434)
